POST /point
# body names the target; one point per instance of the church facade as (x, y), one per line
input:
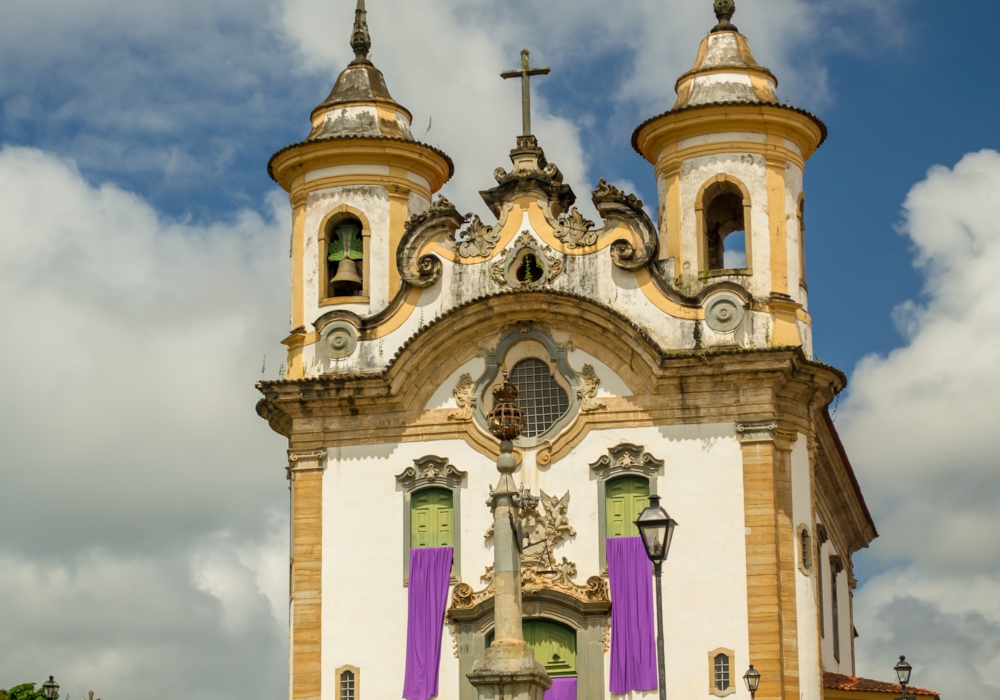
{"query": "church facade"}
(669, 357)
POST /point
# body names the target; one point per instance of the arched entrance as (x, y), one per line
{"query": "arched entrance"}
(554, 645)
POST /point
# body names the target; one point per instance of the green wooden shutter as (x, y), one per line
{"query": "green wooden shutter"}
(432, 518)
(554, 646)
(625, 499)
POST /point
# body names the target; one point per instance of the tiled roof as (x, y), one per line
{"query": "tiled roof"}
(836, 681)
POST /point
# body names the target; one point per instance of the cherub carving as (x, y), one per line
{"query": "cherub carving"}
(588, 392)
(464, 398)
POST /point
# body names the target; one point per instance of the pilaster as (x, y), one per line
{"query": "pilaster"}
(305, 470)
(770, 544)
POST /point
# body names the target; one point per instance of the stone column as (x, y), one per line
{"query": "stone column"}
(509, 671)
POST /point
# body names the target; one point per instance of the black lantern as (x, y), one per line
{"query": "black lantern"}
(903, 671)
(752, 679)
(50, 689)
(657, 529)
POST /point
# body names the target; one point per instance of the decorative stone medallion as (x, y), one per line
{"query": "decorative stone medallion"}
(724, 312)
(339, 339)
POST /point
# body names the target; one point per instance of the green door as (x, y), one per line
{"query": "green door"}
(626, 497)
(554, 646)
(432, 518)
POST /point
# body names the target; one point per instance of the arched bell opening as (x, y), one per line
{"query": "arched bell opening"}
(723, 208)
(344, 259)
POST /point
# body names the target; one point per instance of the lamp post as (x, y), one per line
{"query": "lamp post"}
(752, 679)
(50, 689)
(657, 530)
(903, 671)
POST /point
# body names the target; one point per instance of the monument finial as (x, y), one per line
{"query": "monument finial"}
(360, 41)
(724, 11)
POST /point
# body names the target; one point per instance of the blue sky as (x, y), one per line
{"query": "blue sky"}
(143, 255)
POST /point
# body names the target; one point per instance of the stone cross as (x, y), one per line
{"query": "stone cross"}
(524, 73)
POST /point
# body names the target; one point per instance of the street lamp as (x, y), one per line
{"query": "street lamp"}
(752, 679)
(50, 689)
(903, 671)
(657, 530)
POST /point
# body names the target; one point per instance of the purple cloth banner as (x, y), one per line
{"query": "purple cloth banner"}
(633, 647)
(562, 689)
(430, 570)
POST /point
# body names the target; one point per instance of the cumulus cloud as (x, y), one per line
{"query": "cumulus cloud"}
(921, 425)
(442, 58)
(140, 552)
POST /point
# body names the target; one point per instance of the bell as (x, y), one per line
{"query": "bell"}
(346, 281)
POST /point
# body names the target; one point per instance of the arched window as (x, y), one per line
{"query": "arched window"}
(540, 397)
(347, 686)
(625, 498)
(724, 209)
(345, 253)
(721, 672)
(432, 518)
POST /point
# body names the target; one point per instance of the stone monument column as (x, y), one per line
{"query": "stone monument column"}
(509, 671)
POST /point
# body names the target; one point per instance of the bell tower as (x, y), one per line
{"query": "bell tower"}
(729, 161)
(352, 183)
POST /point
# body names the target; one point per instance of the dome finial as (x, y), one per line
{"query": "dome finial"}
(724, 11)
(360, 41)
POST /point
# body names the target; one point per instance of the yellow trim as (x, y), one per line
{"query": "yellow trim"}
(394, 182)
(733, 675)
(662, 302)
(399, 212)
(776, 213)
(671, 235)
(411, 156)
(760, 119)
(323, 242)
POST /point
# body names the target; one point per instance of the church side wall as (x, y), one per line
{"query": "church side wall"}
(810, 684)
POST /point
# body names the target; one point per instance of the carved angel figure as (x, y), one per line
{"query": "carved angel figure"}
(556, 523)
(588, 392)
(464, 398)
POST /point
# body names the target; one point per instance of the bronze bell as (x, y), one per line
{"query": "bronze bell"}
(346, 281)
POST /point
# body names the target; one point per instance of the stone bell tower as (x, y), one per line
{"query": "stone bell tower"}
(352, 183)
(730, 159)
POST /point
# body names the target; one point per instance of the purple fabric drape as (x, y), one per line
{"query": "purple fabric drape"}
(633, 647)
(430, 570)
(562, 689)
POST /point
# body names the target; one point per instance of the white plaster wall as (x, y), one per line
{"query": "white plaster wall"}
(830, 662)
(805, 593)
(365, 603)
(751, 170)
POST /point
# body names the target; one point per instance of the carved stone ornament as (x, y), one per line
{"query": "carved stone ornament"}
(339, 339)
(478, 240)
(575, 231)
(757, 430)
(504, 271)
(306, 461)
(724, 312)
(544, 181)
(724, 11)
(440, 221)
(614, 205)
(588, 392)
(464, 397)
(431, 471)
(543, 530)
(626, 458)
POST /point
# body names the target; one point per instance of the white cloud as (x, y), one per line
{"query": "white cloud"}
(921, 426)
(138, 543)
(442, 59)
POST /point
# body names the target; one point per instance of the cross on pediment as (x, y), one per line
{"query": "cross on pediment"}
(524, 73)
